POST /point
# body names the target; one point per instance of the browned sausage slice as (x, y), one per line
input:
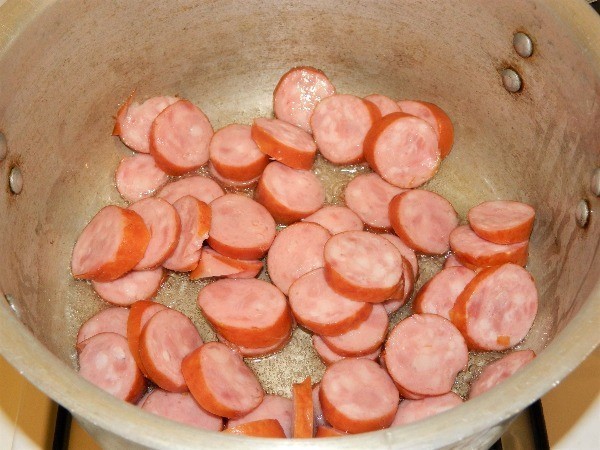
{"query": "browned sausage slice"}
(105, 360)
(179, 138)
(139, 315)
(357, 395)
(336, 219)
(289, 194)
(497, 308)
(136, 285)
(166, 339)
(385, 104)
(204, 189)
(110, 320)
(220, 381)
(213, 264)
(266, 428)
(403, 150)
(498, 371)
(362, 266)
(298, 92)
(110, 245)
(423, 220)
(181, 407)
(439, 294)
(272, 407)
(246, 312)
(240, 227)
(139, 177)
(501, 221)
(328, 356)
(413, 410)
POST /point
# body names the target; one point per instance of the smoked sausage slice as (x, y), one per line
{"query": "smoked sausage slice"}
(272, 407)
(139, 315)
(439, 294)
(267, 428)
(412, 410)
(502, 221)
(336, 219)
(139, 177)
(328, 356)
(109, 320)
(202, 188)
(498, 371)
(136, 285)
(213, 264)
(385, 104)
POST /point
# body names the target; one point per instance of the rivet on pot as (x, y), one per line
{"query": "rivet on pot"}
(523, 45)
(3, 147)
(511, 80)
(13, 305)
(582, 213)
(595, 185)
(15, 180)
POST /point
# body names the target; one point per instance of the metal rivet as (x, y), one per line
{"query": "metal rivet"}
(3, 147)
(582, 213)
(15, 180)
(511, 80)
(595, 184)
(12, 303)
(523, 45)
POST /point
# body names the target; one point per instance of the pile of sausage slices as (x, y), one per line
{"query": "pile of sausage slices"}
(328, 275)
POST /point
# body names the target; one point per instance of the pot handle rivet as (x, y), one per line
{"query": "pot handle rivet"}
(511, 80)
(3, 147)
(15, 180)
(523, 44)
(12, 303)
(595, 184)
(582, 213)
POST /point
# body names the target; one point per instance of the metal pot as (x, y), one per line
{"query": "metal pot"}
(66, 65)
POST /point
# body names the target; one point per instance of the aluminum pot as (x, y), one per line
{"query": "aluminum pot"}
(66, 65)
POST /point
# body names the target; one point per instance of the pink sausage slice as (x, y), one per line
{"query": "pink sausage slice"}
(195, 219)
(272, 407)
(164, 224)
(403, 293)
(110, 320)
(234, 154)
(136, 285)
(317, 411)
(220, 381)
(405, 251)
(451, 261)
(229, 183)
(139, 314)
(357, 395)
(134, 121)
(340, 124)
(474, 252)
(497, 308)
(366, 338)
(362, 266)
(179, 138)
(202, 188)
(181, 407)
(336, 219)
(328, 356)
(112, 244)
(423, 220)
(411, 411)
(139, 177)
(105, 360)
(323, 311)
(423, 354)
(213, 264)
(439, 294)
(166, 339)
(501, 221)
(289, 194)
(257, 352)
(298, 92)
(498, 371)
(385, 104)
(403, 150)
(369, 196)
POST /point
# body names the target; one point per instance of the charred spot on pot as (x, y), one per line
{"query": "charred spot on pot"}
(3, 147)
(582, 213)
(523, 44)
(595, 184)
(15, 180)
(511, 80)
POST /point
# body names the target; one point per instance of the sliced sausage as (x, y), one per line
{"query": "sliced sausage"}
(298, 92)
(136, 285)
(164, 224)
(204, 189)
(250, 312)
(405, 251)
(105, 360)
(112, 244)
(362, 266)
(179, 138)
(474, 252)
(195, 217)
(266, 428)
(366, 338)
(272, 407)
(304, 423)
(257, 352)
(139, 315)
(403, 293)
(340, 123)
(289, 194)
(139, 177)
(110, 320)
(234, 154)
(213, 264)
(423, 220)
(498, 371)
(423, 354)
(437, 118)
(451, 261)
(369, 196)
(181, 407)
(325, 431)
(439, 294)
(328, 356)
(284, 142)
(318, 412)
(240, 227)
(411, 411)
(357, 395)
(166, 339)
(336, 219)
(403, 150)
(297, 249)
(497, 308)
(502, 221)
(322, 310)
(220, 381)
(134, 121)
(385, 104)
(229, 183)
